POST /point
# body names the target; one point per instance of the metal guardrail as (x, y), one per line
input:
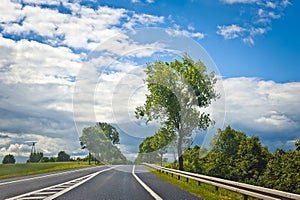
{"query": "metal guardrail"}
(246, 190)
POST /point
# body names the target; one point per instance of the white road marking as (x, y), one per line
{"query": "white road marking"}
(152, 193)
(43, 176)
(61, 187)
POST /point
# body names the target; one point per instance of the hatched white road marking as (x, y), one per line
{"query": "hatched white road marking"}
(55, 191)
(43, 176)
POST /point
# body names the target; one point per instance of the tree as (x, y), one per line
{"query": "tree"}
(100, 142)
(45, 159)
(177, 91)
(109, 131)
(194, 159)
(282, 171)
(161, 140)
(251, 162)
(147, 151)
(222, 158)
(35, 157)
(63, 156)
(297, 144)
(52, 159)
(9, 159)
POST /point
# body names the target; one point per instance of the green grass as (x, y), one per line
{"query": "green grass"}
(205, 191)
(16, 170)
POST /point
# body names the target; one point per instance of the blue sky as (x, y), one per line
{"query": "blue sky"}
(45, 47)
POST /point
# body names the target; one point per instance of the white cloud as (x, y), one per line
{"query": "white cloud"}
(185, 33)
(191, 28)
(230, 31)
(44, 64)
(264, 107)
(271, 4)
(84, 28)
(146, 1)
(47, 2)
(10, 11)
(234, 31)
(278, 121)
(285, 3)
(144, 20)
(20, 145)
(248, 40)
(254, 21)
(240, 1)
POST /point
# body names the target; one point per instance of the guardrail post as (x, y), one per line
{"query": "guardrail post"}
(172, 174)
(187, 179)
(217, 188)
(245, 197)
(199, 183)
(178, 177)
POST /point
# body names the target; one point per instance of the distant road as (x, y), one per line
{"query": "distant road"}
(104, 182)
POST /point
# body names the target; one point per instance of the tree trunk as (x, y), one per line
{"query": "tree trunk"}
(179, 149)
(161, 159)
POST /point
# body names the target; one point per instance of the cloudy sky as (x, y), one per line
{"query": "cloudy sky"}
(66, 64)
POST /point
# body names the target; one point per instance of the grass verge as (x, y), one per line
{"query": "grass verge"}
(17, 170)
(205, 191)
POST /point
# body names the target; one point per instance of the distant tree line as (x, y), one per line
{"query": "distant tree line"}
(39, 157)
(237, 157)
(62, 156)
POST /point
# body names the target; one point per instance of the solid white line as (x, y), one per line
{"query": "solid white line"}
(152, 193)
(39, 177)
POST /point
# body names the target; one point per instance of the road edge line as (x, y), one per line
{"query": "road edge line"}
(39, 176)
(146, 187)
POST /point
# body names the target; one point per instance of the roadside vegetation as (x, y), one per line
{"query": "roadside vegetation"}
(205, 191)
(17, 170)
(235, 156)
(178, 91)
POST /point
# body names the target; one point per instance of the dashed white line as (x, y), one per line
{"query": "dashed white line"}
(152, 193)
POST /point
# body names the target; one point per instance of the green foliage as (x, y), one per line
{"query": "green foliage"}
(17, 170)
(240, 158)
(52, 159)
(63, 156)
(222, 158)
(194, 160)
(204, 191)
(45, 159)
(283, 171)
(147, 151)
(109, 131)
(35, 157)
(99, 140)
(9, 159)
(154, 145)
(251, 160)
(297, 144)
(177, 89)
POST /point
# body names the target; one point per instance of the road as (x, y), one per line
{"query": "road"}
(104, 182)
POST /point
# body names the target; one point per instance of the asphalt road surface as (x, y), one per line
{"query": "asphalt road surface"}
(104, 182)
